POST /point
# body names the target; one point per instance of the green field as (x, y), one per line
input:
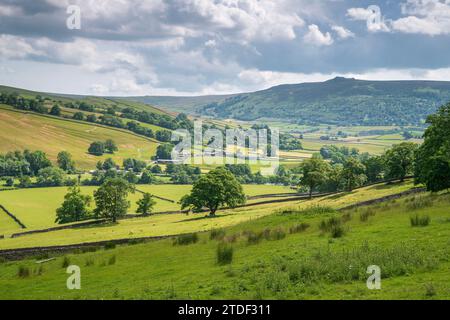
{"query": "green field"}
(311, 264)
(178, 223)
(36, 207)
(20, 130)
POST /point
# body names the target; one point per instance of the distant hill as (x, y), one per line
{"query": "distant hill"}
(27, 130)
(101, 102)
(181, 104)
(340, 101)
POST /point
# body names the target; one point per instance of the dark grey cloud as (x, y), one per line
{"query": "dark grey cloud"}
(193, 46)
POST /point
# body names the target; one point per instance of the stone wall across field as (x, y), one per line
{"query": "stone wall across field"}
(13, 217)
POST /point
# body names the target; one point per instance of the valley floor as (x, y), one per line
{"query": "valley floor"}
(278, 253)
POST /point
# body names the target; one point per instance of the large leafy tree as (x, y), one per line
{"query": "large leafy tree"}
(37, 160)
(433, 157)
(374, 168)
(111, 146)
(217, 188)
(164, 151)
(400, 160)
(353, 173)
(111, 199)
(65, 162)
(145, 204)
(314, 172)
(97, 148)
(51, 177)
(74, 207)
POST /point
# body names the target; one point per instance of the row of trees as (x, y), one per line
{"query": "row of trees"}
(346, 172)
(347, 169)
(111, 202)
(27, 164)
(111, 116)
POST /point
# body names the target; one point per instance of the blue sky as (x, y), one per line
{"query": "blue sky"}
(192, 47)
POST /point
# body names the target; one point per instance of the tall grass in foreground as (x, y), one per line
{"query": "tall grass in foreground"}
(334, 226)
(224, 254)
(351, 264)
(23, 272)
(420, 221)
(217, 234)
(420, 202)
(313, 210)
(267, 234)
(186, 239)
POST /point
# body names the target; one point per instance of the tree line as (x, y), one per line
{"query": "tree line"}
(111, 116)
(24, 165)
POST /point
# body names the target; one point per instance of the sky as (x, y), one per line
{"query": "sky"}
(202, 47)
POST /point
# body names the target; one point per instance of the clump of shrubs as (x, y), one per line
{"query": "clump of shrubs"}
(112, 260)
(252, 237)
(298, 228)
(186, 239)
(328, 224)
(268, 234)
(337, 231)
(277, 234)
(420, 221)
(417, 203)
(313, 210)
(23, 272)
(66, 262)
(332, 225)
(217, 234)
(364, 216)
(224, 254)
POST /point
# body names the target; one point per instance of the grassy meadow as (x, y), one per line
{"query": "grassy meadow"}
(20, 130)
(160, 225)
(36, 207)
(284, 255)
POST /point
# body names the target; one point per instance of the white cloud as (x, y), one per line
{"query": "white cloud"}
(372, 16)
(317, 38)
(430, 17)
(342, 32)
(12, 47)
(211, 43)
(361, 14)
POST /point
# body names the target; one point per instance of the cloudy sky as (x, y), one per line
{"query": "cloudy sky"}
(191, 47)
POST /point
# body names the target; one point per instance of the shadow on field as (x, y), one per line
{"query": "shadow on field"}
(386, 186)
(204, 218)
(338, 196)
(99, 225)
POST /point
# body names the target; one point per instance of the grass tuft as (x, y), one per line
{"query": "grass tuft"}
(420, 221)
(217, 234)
(186, 239)
(298, 228)
(66, 262)
(23, 272)
(224, 254)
